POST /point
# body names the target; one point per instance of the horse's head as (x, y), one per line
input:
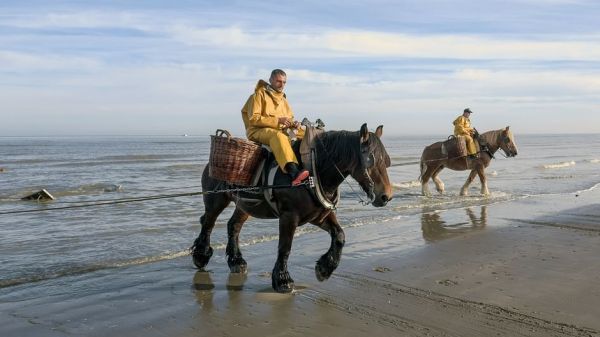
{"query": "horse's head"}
(507, 143)
(371, 173)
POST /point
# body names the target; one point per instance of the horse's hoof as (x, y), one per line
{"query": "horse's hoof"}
(237, 264)
(201, 258)
(324, 268)
(282, 282)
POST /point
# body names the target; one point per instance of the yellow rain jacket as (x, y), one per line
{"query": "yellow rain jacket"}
(462, 127)
(260, 115)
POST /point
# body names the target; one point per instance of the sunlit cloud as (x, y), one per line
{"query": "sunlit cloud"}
(379, 44)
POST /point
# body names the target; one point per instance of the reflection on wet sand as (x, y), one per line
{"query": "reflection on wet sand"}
(204, 287)
(235, 281)
(435, 228)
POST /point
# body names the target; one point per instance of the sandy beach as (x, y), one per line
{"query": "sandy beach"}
(522, 268)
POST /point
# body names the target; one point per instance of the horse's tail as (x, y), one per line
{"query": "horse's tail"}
(423, 167)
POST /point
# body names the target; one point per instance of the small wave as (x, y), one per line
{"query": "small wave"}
(186, 167)
(593, 161)
(557, 177)
(90, 189)
(559, 165)
(79, 270)
(130, 157)
(593, 187)
(407, 184)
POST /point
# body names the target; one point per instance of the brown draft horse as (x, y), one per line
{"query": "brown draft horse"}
(339, 154)
(432, 161)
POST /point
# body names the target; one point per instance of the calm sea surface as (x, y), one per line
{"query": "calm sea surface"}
(43, 245)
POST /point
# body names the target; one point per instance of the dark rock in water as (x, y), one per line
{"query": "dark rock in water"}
(39, 196)
(113, 188)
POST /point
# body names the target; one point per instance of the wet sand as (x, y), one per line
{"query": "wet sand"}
(522, 268)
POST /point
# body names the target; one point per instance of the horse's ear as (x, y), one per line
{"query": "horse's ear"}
(364, 133)
(379, 131)
(507, 128)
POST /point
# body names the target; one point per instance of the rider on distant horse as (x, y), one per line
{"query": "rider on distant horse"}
(266, 114)
(462, 127)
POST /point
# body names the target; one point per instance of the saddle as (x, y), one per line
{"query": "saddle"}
(456, 147)
(306, 154)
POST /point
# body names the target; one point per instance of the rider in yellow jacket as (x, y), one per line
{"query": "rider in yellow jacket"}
(266, 114)
(462, 127)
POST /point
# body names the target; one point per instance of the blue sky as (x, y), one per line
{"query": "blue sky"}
(175, 67)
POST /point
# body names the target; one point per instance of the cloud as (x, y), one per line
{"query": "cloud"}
(11, 61)
(335, 43)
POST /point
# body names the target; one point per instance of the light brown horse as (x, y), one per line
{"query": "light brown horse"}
(432, 161)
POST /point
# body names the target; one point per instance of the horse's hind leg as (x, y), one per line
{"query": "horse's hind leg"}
(439, 184)
(425, 179)
(214, 204)
(330, 260)
(483, 179)
(464, 191)
(236, 262)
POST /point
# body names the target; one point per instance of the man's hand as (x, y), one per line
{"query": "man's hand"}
(285, 121)
(288, 123)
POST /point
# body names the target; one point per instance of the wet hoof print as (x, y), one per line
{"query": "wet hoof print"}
(237, 264)
(201, 256)
(282, 282)
(324, 268)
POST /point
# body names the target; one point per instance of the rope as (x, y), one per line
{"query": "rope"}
(156, 197)
(406, 164)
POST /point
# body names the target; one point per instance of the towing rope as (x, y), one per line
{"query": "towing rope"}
(155, 197)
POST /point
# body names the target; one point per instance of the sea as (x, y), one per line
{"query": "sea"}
(43, 240)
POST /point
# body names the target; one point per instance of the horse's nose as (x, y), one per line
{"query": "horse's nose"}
(385, 198)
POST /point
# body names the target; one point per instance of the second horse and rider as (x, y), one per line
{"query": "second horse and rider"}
(306, 191)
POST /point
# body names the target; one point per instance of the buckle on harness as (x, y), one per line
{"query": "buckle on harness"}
(311, 182)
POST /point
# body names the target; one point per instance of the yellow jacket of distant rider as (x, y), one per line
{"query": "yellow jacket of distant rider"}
(462, 126)
(264, 107)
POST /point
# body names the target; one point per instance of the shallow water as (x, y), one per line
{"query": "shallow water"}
(51, 244)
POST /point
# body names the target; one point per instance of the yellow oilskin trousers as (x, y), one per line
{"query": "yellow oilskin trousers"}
(462, 127)
(260, 115)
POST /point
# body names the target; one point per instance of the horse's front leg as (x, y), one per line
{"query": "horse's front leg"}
(281, 280)
(483, 179)
(201, 250)
(235, 261)
(464, 191)
(330, 260)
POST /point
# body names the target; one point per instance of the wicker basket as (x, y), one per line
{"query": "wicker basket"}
(233, 160)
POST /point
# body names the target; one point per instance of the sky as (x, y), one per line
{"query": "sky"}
(187, 67)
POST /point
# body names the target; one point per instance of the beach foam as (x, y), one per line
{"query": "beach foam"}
(559, 165)
(407, 184)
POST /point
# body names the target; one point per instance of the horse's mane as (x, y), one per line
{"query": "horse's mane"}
(341, 147)
(491, 137)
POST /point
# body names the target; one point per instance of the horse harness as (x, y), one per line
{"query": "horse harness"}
(263, 185)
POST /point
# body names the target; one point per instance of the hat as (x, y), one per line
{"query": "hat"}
(468, 110)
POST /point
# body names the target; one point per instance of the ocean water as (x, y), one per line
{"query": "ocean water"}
(51, 244)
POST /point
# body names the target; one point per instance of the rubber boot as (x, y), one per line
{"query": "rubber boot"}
(297, 175)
